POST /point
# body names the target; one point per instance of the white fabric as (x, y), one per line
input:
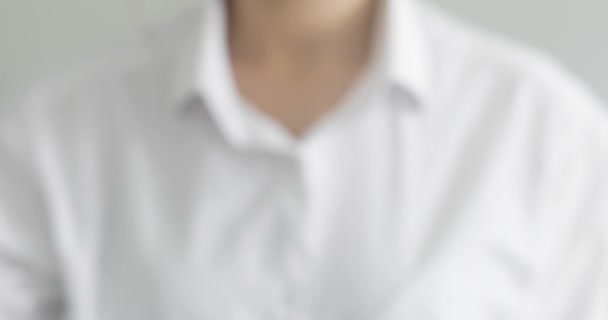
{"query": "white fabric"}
(462, 178)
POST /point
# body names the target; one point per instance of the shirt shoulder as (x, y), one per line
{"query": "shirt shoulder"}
(142, 61)
(522, 74)
(111, 83)
(559, 125)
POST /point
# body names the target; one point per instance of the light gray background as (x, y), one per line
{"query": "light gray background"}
(41, 37)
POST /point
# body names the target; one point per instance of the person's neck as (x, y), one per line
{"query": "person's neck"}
(296, 59)
(300, 32)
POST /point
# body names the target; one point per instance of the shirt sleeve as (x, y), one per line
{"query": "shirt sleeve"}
(573, 280)
(29, 282)
(572, 254)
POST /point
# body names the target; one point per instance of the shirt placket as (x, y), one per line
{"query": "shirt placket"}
(294, 265)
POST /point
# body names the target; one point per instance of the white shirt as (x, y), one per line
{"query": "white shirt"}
(462, 178)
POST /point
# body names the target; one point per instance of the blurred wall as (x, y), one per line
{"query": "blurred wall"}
(40, 37)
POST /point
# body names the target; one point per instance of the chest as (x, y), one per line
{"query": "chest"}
(365, 230)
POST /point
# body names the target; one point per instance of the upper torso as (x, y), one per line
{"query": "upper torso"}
(454, 203)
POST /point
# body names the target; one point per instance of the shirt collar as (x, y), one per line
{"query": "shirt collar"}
(405, 49)
(203, 71)
(203, 64)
